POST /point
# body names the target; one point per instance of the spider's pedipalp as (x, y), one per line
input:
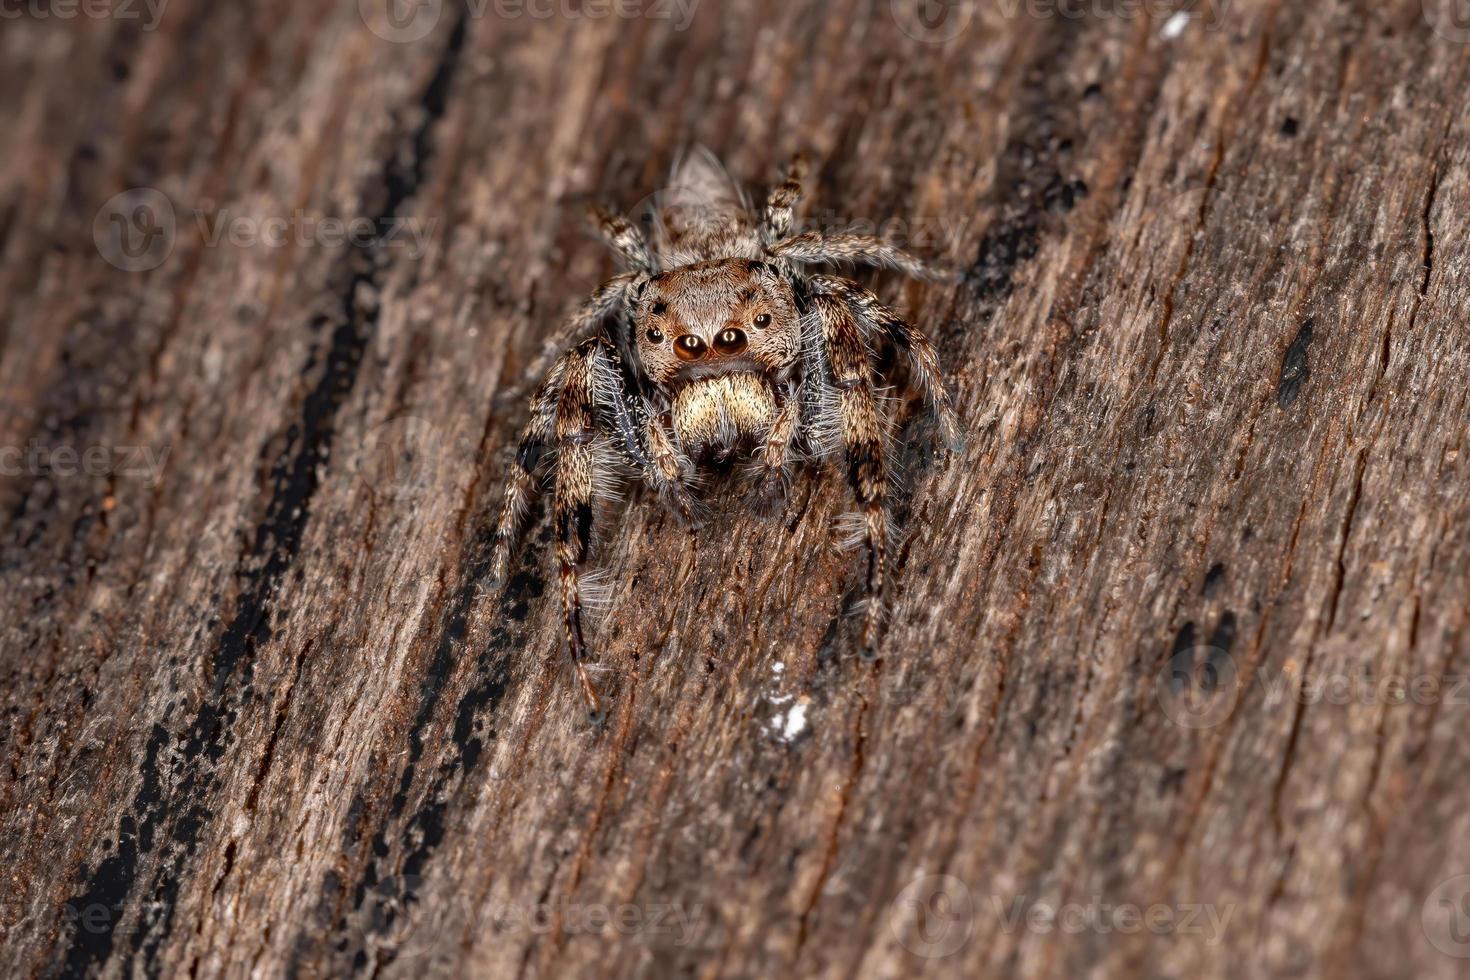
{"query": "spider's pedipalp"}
(814, 246)
(910, 341)
(862, 430)
(777, 451)
(670, 472)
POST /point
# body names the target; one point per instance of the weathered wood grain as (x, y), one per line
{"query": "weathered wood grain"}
(1212, 358)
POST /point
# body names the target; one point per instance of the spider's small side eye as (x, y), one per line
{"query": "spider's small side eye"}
(659, 308)
(763, 320)
(654, 335)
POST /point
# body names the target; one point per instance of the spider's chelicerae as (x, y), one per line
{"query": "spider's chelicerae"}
(716, 345)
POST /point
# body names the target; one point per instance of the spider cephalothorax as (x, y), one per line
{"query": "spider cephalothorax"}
(717, 339)
(714, 346)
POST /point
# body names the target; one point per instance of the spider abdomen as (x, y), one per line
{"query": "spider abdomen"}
(723, 412)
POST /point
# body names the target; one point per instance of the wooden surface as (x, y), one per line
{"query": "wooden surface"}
(1211, 354)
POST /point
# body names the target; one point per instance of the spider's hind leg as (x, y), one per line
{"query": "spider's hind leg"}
(782, 201)
(816, 247)
(522, 486)
(623, 237)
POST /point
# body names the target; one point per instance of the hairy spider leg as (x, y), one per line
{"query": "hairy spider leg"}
(862, 430)
(910, 341)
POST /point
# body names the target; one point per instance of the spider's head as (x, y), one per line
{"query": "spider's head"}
(716, 318)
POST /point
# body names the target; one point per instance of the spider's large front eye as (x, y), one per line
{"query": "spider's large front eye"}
(689, 347)
(730, 341)
(763, 320)
(654, 335)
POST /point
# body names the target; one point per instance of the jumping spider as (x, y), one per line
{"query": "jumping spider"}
(718, 347)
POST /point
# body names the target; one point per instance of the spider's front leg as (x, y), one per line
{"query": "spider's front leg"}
(861, 427)
(591, 380)
(587, 317)
(910, 341)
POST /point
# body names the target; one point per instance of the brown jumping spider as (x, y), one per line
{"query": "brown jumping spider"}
(715, 346)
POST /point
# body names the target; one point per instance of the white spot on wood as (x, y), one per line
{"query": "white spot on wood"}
(791, 720)
(794, 722)
(1174, 26)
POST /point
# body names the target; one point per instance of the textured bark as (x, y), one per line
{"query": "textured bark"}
(1210, 353)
